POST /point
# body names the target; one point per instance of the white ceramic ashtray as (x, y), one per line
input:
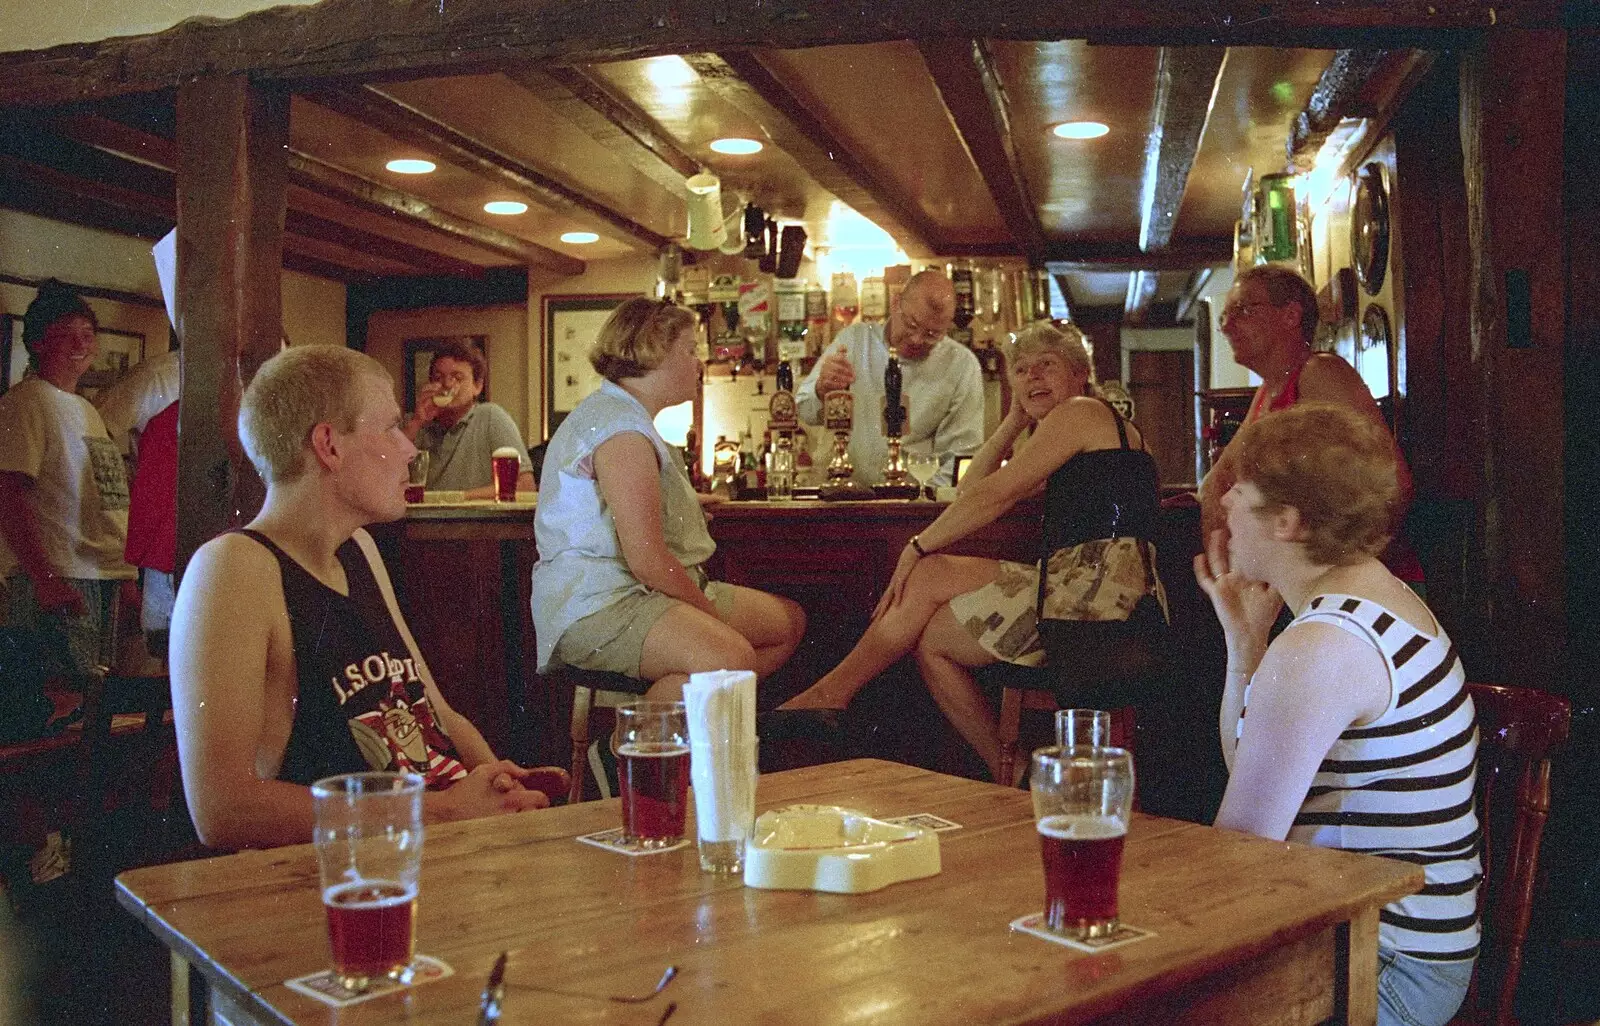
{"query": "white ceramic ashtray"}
(841, 851)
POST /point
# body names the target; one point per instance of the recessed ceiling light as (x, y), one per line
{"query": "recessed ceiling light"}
(411, 167)
(579, 238)
(736, 147)
(507, 207)
(1080, 130)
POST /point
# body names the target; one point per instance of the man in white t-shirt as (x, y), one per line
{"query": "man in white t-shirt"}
(63, 494)
(942, 382)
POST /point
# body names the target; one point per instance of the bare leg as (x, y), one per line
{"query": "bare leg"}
(946, 656)
(760, 634)
(772, 624)
(933, 583)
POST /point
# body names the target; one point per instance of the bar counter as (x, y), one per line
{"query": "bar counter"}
(463, 575)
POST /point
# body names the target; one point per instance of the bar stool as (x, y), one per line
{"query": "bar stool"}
(1029, 687)
(591, 689)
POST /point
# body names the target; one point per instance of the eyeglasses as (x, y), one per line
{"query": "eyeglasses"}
(1233, 311)
(916, 330)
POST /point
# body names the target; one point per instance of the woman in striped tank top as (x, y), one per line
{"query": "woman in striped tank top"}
(1353, 728)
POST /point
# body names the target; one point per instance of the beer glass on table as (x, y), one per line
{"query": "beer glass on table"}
(368, 836)
(1086, 728)
(507, 463)
(922, 466)
(652, 742)
(1082, 804)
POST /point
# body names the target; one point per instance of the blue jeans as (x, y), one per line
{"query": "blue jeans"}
(1416, 992)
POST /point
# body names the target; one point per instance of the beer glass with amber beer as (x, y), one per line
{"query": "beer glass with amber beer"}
(507, 464)
(652, 746)
(1082, 803)
(368, 837)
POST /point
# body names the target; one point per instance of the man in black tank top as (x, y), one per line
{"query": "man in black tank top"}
(290, 657)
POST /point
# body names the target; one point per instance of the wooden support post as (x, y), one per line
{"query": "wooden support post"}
(1512, 125)
(232, 140)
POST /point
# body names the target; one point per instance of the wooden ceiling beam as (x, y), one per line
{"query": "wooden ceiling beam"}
(1190, 254)
(424, 260)
(308, 172)
(743, 80)
(1356, 83)
(117, 139)
(374, 37)
(1142, 287)
(304, 263)
(1186, 81)
(376, 109)
(964, 73)
(612, 121)
(19, 191)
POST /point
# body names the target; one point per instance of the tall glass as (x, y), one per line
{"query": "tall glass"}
(368, 836)
(417, 477)
(1082, 804)
(507, 464)
(1088, 728)
(653, 772)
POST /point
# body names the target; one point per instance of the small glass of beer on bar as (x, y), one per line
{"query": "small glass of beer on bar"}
(1082, 803)
(652, 742)
(417, 476)
(507, 465)
(368, 837)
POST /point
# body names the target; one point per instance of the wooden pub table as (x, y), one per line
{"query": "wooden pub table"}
(1245, 930)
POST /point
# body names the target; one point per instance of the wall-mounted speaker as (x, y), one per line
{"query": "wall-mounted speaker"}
(791, 247)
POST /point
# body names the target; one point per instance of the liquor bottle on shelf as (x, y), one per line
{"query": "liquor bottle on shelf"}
(874, 300)
(816, 323)
(792, 326)
(846, 300)
(966, 305)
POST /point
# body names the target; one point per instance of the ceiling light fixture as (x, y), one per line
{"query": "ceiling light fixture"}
(579, 238)
(736, 147)
(409, 166)
(505, 207)
(1080, 130)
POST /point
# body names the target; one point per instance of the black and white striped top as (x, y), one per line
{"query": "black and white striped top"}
(1402, 785)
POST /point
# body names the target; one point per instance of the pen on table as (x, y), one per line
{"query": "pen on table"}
(493, 993)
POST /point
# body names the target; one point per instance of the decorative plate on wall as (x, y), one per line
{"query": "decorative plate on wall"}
(1369, 227)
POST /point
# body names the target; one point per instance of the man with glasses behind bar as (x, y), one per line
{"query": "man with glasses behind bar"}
(943, 383)
(1270, 318)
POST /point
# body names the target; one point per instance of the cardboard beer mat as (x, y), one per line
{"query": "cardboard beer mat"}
(925, 820)
(612, 840)
(1122, 936)
(325, 985)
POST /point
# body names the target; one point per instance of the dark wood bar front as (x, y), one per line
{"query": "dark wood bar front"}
(463, 577)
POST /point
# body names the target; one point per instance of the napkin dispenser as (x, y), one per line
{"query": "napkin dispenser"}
(840, 851)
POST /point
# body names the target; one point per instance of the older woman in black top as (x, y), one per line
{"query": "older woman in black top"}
(961, 612)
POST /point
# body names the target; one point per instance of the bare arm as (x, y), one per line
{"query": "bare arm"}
(229, 636)
(1328, 379)
(1296, 714)
(19, 525)
(629, 479)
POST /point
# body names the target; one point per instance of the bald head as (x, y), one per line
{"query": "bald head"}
(922, 314)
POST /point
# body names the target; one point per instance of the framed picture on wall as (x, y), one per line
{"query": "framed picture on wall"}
(419, 356)
(13, 356)
(570, 326)
(120, 351)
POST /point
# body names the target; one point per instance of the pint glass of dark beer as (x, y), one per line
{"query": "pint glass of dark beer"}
(1082, 803)
(652, 742)
(507, 465)
(368, 837)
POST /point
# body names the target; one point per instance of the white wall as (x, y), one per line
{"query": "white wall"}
(35, 24)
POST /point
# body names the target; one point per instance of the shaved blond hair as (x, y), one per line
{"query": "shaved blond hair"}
(294, 392)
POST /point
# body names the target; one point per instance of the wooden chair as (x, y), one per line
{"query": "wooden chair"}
(590, 690)
(1026, 687)
(1519, 731)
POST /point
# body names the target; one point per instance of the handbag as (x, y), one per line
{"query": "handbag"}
(1089, 652)
(1095, 652)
